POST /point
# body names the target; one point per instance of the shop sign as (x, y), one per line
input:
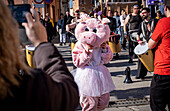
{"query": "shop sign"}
(39, 5)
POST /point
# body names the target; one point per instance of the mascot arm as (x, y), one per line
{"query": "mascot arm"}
(80, 56)
(106, 55)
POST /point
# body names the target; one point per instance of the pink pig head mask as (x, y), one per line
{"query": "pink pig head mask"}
(93, 32)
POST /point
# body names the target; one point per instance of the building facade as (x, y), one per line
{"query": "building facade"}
(83, 5)
(114, 5)
(53, 9)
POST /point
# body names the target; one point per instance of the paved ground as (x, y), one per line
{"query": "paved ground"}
(126, 97)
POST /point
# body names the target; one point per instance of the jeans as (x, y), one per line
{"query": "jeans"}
(117, 31)
(123, 37)
(62, 36)
(69, 35)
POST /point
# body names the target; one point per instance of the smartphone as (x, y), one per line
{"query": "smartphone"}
(18, 12)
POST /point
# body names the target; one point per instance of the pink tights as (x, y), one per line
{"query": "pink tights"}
(94, 103)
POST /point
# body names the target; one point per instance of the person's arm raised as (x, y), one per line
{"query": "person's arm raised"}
(47, 58)
(35, 31)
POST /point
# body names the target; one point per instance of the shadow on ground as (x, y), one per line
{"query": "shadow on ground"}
(131, 93)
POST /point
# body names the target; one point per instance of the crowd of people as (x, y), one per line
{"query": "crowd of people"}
(51, 86)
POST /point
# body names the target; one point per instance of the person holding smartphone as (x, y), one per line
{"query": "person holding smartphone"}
(49, 87)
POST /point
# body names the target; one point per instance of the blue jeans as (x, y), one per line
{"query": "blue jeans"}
(117, 31)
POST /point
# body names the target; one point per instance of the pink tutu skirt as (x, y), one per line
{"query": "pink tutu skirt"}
(93, 80)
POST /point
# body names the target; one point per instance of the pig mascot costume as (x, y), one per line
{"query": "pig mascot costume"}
(92, 77)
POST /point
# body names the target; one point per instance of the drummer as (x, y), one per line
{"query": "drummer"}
(146, 27)
(132, 21)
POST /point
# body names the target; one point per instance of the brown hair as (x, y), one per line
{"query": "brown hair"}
(167, 4)
(11, 60)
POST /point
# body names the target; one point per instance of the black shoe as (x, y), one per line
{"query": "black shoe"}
(130, 61)
(140, 77)
(124, 48)
(64, 43)
(117, 56)
(60, 44)
(137, 77)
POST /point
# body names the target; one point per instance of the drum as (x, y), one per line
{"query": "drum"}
(29, 55)
(72, 45)
(73, 42)
(114, 43)
(134, 35)
(115, 48)
(145, 55)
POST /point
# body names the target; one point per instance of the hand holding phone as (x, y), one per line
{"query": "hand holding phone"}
(35, 31)
(18, 12)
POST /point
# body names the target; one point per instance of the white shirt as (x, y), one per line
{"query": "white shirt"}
(122, 19)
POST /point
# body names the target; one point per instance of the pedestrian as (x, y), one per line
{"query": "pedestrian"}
(71, 27)
(117, 17)
(61, 27)
(41, 18)
(76, 17)
(146, 28)
(49, 28)
(47, 15)
(89, 55)
(48, 87)
(117, 31)
(122, 20)
(160, 39)
(158, 14)
(132, 20)
(112, 24)
(68, 18)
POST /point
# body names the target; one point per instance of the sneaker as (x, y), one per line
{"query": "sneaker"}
(117, 56)
(137, 77)
(64, 43)
(60, 44)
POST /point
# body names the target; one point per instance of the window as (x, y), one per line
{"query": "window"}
(82, 2)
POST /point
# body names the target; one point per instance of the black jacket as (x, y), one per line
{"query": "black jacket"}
(49, 28)
(68, 19)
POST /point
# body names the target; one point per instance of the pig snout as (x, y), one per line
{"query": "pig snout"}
(88, 38)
